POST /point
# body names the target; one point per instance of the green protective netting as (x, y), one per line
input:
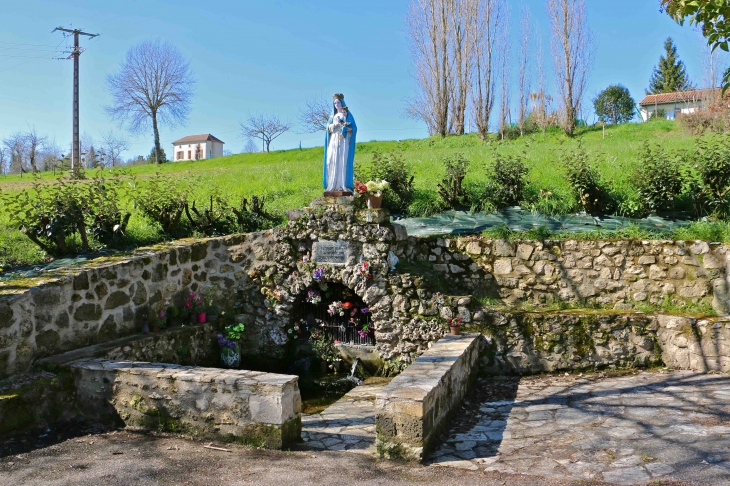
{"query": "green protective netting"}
(33, 271)
(518, 219)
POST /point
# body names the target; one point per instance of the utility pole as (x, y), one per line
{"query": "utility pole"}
(76, 145)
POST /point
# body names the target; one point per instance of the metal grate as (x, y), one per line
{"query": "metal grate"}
(343, 329)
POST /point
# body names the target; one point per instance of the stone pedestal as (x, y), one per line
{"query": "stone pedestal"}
(342, 205)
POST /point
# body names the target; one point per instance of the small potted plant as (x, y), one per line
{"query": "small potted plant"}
(173, 316)
(229, 347)
(373, 191)
(455, 326)
(160, 321)
(196, 306)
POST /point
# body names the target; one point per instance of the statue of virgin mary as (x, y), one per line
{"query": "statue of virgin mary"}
(339, 150)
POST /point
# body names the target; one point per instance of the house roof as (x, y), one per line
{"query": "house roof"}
(203, 137)
(678, 96)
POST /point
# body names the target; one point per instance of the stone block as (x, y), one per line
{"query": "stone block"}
(88, 312)
(647, 260)
(504, 248)
(524, 251)
(711, 261)
(211, 403)
(413, 409)
(474, 248)
(502, 266)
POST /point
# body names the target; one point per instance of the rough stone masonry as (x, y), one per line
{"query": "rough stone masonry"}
(111, 297)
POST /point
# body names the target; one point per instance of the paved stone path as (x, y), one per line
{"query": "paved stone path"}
(630, 429)
(348, 424)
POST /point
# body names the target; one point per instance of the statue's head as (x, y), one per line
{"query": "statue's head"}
(339, 102)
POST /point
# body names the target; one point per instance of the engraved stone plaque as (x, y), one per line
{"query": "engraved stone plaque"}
(332, 252)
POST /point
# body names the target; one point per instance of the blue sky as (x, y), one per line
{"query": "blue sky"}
(252, 56)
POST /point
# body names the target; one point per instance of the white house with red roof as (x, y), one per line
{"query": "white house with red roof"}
(679, 102)
(197, 147)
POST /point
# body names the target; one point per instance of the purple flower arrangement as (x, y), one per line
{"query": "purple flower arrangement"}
(318, 274)
(365, 310)
(225, 343)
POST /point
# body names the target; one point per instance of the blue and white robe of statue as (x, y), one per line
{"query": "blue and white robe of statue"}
(339, 153)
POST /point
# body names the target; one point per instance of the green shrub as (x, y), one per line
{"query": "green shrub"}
(253, 217)
(215, 220)
(709, 183)
(108, 221)
(392, 167)
(52, 215)
(589, 190)
(451, 188)
(508, 180)
(658, 180)
(162, 199)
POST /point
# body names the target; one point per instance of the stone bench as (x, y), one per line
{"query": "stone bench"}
(416, 405)
(248, 407)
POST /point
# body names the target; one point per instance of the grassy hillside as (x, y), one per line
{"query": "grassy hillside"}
(292, 178)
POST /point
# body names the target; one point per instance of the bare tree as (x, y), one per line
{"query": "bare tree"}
(572, 52)
(49, 156)
(428, 28)
(504, 84)
(3, 161)
(264, 127)
(17, 150)
(153, 85)
(541, 101)
(250, 146)
(112, 148)
(34, 145)
(490, 18)
(462, 37)
(315, 115)
(523, 83)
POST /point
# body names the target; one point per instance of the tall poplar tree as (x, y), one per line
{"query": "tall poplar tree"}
(670, 75)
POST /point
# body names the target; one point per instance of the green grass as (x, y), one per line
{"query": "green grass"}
(292, 178)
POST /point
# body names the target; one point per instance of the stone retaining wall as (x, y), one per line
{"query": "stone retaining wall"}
(618, 274)
(533, 342)
(192, 345)
(414, 407)
(261, 409)
(112, 297)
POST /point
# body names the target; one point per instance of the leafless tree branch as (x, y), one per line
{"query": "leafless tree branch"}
(572, 51)
(112, 147)
(264, 127)
(315, 114)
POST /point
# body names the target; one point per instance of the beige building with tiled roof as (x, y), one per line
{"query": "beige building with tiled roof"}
(672, 104)
(197, 147)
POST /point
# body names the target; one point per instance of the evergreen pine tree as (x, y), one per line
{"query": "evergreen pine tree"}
(670, 75)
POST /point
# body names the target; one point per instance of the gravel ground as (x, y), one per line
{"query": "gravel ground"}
(129, 458)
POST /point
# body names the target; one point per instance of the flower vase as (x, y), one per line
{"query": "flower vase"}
(201, 318)
(374, 202)
(231, 357)
(455, 330)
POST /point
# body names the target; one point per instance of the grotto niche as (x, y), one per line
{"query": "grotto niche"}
(334, 312)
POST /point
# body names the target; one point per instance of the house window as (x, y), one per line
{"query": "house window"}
(190, 154)
(180, 155)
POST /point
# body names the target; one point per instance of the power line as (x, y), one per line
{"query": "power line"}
(25, 44)
(24, 49)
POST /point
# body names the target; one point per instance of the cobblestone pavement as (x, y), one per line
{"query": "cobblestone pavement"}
(645, 427)
(348, 424)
